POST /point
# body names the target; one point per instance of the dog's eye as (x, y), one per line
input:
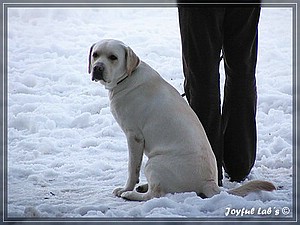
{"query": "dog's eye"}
(95, 54)
(113, 57)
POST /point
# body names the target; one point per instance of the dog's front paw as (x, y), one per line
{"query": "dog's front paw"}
(119, 191)
(127, 195)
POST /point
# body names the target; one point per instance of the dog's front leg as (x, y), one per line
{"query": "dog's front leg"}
(136, 148)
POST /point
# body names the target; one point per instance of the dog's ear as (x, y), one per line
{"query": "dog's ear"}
(90, 59)
(132, 60)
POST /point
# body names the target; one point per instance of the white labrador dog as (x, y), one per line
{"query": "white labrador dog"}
(157, 121)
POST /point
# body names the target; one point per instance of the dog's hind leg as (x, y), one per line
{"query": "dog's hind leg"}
(209, 189)
(142, 188)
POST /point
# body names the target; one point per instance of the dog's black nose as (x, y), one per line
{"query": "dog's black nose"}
(99, 67)
(98, 71)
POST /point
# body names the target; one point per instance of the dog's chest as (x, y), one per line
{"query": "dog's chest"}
(129, 110)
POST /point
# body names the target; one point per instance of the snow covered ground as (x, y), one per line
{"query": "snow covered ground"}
(66, 153)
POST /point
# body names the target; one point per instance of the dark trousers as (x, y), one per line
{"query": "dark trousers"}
(231, 129)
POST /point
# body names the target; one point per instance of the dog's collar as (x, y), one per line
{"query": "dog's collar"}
(122, 80)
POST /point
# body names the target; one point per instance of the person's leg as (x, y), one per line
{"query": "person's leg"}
(201, 37)
(240, 97)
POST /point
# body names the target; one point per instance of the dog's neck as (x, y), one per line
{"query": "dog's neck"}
(119, 85)
(124, 78)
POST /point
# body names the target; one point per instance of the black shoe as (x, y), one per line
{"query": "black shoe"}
(236, 178)
(220, 184)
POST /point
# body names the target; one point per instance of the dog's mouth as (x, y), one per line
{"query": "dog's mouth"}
(97, 78)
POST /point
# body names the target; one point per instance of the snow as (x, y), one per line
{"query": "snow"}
(66, 152)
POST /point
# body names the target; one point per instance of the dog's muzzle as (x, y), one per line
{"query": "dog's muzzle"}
(98, 71)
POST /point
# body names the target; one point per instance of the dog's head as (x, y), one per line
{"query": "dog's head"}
(110, 61)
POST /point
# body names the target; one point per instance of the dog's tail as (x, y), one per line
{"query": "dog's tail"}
(252, 186)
